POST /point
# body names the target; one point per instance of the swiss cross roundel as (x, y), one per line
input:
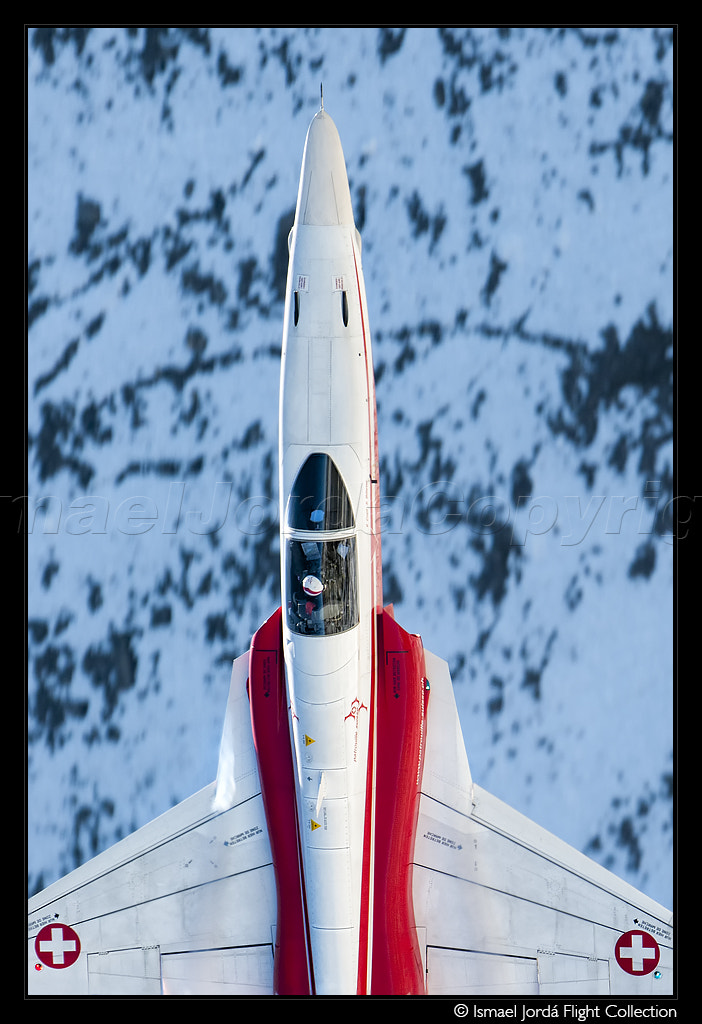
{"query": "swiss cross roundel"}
(57, 945)
(637, 952)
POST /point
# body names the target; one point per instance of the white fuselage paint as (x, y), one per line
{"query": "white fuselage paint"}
(327, 405)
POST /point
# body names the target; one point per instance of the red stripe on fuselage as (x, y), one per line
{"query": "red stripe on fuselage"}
(370, 384)
(367, 873)
(271, 733)
(401, 707)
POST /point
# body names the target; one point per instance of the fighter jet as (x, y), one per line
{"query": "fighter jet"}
(344, 847)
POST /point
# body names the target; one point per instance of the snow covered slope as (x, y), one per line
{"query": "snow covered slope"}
(513, 188)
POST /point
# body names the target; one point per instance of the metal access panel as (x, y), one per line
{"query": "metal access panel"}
(563, 975)
(240, 970)
(466, 972)
(125, 972)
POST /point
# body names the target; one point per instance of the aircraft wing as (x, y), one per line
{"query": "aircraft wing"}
(185, 904)
(504, 907)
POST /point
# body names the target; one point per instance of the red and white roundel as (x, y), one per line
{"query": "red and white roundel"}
(637, 952)
(57, 945)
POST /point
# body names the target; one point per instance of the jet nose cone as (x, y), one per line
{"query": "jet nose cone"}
(323, 197)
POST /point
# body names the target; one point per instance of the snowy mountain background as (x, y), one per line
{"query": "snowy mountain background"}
(514, 192)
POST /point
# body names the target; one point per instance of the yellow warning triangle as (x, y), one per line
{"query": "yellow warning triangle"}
(308, 740)
(314, 824)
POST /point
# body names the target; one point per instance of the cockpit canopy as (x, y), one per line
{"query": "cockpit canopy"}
(322, 586)
(319, 499)
(321, 572)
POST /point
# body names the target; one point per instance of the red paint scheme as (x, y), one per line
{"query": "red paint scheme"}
(271, 733)
(400, 715)
(401, 705)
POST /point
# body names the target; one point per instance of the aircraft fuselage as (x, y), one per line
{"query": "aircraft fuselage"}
(330, 553)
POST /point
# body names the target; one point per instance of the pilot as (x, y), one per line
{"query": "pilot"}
(312, 588)
(312, 585)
